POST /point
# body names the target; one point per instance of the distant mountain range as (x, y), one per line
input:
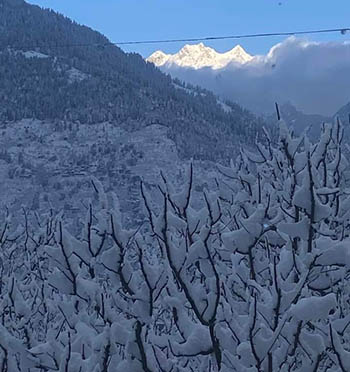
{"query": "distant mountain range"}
(198, 56)
(314, 76)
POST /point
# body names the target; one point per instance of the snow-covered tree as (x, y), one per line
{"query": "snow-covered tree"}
(258, 275)
(254, 279)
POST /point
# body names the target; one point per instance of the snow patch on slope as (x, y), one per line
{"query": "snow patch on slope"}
(224, 106)
(34, 54)
(75, 75)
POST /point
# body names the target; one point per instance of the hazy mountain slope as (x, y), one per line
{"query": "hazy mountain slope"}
(85, 83)
(344, 114)
(298, 121)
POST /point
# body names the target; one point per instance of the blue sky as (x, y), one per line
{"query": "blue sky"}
(124, 20)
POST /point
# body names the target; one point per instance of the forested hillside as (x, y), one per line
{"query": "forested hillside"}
(52, 68)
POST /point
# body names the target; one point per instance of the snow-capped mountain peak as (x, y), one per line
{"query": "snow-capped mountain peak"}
(238, 54)
(159, 58)
(191, 49)
(198, 56)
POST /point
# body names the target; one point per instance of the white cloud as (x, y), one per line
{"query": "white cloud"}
(315, 77)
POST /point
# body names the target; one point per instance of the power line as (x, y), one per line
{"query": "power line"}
(343, 31)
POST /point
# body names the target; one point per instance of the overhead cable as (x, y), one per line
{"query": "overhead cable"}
(343, 31)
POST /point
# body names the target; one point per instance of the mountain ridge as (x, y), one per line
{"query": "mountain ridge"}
(198, 56)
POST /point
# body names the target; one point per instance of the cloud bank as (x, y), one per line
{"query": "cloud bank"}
(314, 77)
